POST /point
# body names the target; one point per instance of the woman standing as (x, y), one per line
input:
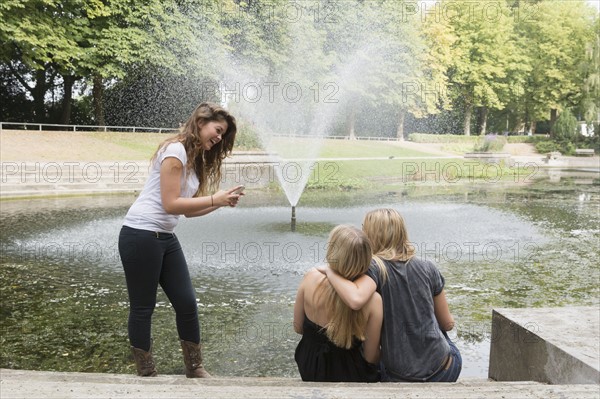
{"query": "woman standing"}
(185, 170)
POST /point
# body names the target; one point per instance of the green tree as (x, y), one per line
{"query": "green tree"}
(431, 60)
(98, 40)
(36, 43)
(276, 62)
(156, 33)
(399, 75)
(380, 61)
(15, 106)
(347, 41)
(555, 36)
(565, 128)
(590, 67)
(484, 55)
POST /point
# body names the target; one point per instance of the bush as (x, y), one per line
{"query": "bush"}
(564, 147)
(565, 127)
(544, 147)
(246, 138)
(525, 139)
(490, 143)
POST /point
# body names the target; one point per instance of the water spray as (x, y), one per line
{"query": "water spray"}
(293, 222)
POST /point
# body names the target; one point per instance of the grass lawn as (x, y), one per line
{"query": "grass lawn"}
(146, 143)
(358, 174)
(458, 148)
(19, 145)
(140, 144)
(307, 148)
(366, 149)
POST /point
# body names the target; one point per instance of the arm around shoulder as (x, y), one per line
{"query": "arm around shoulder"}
(355, 293)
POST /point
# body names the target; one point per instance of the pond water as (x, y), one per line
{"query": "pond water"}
(64, 301)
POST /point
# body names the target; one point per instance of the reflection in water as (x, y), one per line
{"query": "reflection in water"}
(522, 246)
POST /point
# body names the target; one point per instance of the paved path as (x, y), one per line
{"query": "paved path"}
(43, 384)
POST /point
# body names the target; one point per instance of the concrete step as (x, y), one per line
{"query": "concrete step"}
(43, 384)
(24, 179)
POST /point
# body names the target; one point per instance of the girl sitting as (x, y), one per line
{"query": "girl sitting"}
(338, 343)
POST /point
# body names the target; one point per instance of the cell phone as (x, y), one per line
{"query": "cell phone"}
(239, 190)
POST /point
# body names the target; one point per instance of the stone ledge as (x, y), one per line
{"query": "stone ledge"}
(549, 345)
(43, 384)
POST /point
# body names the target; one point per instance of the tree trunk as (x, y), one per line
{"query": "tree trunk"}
(467, 120)
(350, 123)
(553, 117)
(400, 128)
(483, 121)
(531, 130)
(67, 102)
(98, 94)
(478, 112)
(38, 93)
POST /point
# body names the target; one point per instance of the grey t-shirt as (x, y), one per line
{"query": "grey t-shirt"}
(413, 345)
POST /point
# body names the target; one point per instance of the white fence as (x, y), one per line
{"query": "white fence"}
(139, 129)
(82, 128)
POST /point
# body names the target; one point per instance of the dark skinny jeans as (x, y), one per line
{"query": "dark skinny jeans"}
(150, 259)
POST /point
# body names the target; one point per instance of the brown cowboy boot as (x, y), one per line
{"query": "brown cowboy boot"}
(192, 357)
(144, 362)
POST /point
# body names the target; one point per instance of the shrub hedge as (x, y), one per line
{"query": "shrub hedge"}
(459, 138)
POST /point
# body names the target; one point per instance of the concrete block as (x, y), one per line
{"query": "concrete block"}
(550, 345)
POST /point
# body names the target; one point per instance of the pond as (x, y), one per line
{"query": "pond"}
(64, 301)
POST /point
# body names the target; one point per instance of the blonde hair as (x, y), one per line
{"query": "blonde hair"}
(386, 230)
(349, 255)
(205, 164)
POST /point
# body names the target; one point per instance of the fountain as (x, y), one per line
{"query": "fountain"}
(292, 122)
(292, 103)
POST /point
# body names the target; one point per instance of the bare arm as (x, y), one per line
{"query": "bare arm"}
(171, 171)
(299, 309)
(212, 208)
(202, 212)
(442, 312)
(371, 345)
(355, 293)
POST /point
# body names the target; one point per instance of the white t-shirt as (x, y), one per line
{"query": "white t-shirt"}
(147, 212)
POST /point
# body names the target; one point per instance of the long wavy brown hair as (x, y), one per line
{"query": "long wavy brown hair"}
(349, 255)
(205, 164)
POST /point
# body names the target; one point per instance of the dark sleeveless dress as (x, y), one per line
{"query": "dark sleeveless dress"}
(319, 359)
